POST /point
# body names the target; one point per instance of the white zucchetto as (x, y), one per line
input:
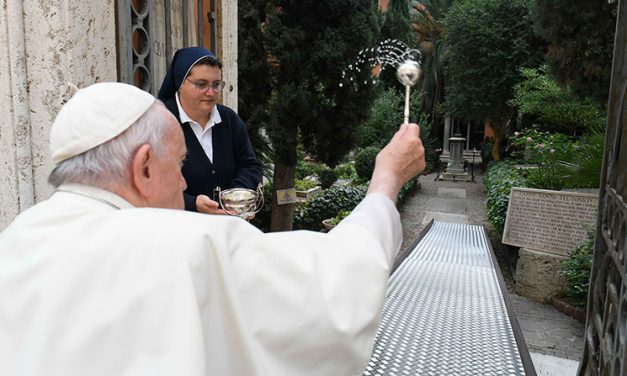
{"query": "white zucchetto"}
(95, 115)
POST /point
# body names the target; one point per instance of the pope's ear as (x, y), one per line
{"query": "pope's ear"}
(142, 168)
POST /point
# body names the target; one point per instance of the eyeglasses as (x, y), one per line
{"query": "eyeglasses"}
(204, 86)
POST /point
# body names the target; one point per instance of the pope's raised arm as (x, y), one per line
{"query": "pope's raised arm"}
(330, 287)
(110, 276)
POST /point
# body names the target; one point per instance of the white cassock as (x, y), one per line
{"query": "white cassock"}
(88, 289)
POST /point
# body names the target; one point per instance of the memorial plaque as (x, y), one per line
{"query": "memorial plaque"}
(286, 196)
(549, 221)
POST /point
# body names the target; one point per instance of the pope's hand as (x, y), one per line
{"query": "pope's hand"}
(206, 205)
(400, 160)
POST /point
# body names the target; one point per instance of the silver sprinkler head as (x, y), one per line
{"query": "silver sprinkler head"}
(408, 73)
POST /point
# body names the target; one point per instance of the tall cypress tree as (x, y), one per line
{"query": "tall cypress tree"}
(396, 25)
(308, 44)
(581, 43)
(253, 74)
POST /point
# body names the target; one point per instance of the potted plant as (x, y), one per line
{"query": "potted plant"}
(305, 188)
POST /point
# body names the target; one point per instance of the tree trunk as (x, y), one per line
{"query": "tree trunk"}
(499, 127)
(496, 148)
(282, 215)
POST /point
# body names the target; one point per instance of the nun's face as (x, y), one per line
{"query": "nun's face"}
(200, 91)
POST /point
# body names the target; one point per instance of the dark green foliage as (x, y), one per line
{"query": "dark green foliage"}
(395, 25)
(580, 35)
(254, 72)
(429, 142)
(562, 161)
(499, 180)
(555, 108)
(385, 116)
(407, 189)
(397, 22)
(544, 177)
(309, 43)
(543, 149)
(486, 151)
(328, 205)
(306, 168)
(576, 270)
(327, 177)
(489, 40)
(365, 161)
(383, 119)
(582, 168)
(427, 18)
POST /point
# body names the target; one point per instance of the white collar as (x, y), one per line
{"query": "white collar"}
(214, 118)
(98, 194)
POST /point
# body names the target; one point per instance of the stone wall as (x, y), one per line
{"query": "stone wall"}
(227, 39)
(45, 45)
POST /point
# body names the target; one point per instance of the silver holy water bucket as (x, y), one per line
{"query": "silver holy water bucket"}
(242, 202)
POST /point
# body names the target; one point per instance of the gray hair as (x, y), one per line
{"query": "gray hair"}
(109, 162)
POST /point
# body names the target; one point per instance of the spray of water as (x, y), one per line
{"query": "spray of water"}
(388, 53)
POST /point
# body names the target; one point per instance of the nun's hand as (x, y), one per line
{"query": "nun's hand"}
(206, 205)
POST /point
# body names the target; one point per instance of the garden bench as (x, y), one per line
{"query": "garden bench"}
(447, 310)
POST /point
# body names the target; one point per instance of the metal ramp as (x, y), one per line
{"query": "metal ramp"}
(447, 311)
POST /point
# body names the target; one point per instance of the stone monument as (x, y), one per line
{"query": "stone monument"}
(455, 166)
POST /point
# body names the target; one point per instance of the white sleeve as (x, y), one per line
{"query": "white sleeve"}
(378, 213)
(312, 301)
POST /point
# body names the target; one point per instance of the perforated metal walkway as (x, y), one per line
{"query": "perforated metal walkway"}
(445, 313)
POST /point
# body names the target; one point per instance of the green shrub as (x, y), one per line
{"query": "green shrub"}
(534, 146)
(383, 119)
(545, 149)
(327, 205)
(582, 167)
(406, 189)
(307, 168)
(338, 218)
(554, 106)
(500, 178)
(486, 151)
(576, 270)
(364, 162)
(346, 171)
(544, 177)
(327, 177)
(304, 185)
(563, 162)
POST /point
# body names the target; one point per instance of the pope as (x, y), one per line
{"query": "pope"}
(108, 276)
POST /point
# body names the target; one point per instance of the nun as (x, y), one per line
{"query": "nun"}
(219, 152)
